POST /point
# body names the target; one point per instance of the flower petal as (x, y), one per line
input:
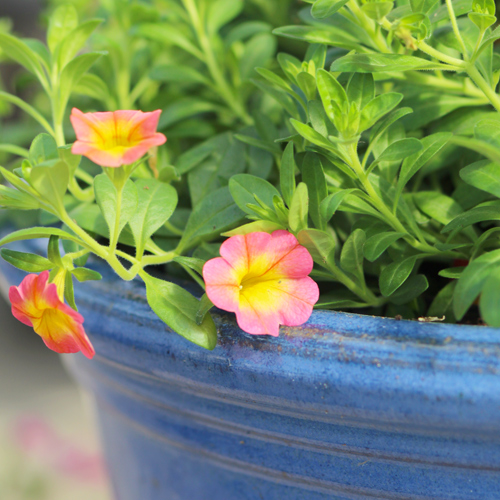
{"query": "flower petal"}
(222, 285)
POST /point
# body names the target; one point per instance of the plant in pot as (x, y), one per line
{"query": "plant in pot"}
(357, 169)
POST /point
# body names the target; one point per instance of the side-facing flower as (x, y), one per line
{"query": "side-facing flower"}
(36, 303)
(113, 139)
(263, 278)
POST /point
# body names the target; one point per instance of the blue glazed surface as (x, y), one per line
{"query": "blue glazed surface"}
(346, 407)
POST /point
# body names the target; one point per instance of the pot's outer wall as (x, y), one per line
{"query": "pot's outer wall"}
(346, 407)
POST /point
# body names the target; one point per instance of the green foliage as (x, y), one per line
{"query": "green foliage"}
(370, 137)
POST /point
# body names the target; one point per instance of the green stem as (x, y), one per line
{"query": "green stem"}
(79, 193)
(369, 26)
(457, 64)
(454, 24)
(379, 204)
(162, 258)
(223, 88)
(28, 109)
(476, 77)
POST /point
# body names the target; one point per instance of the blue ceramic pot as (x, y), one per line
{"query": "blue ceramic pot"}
(345, 407)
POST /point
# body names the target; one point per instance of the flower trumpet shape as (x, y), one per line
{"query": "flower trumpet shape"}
(113, 139)
(263, 278)
(36, 303)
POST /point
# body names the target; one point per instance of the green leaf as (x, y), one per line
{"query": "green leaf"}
(73, 161)
(40, 232)
(395, 274)
(473, 216)
(63, 20)
(377, 108)
(452, 272)
(299, 209)
(489, 303)
(437, 206)
(432, 144)
(21, 53)
(377, 244)
(72, 73)
(156, 203)
(74, 42)
(205, 306)
(215, 214)
(311, 135)
(484, 175)
(400, 149)
(430, 106)
(53, 252)
(51, 181)
(361, 89)
(332, 202)
(482, 21)
(192, 263)
(175, 73)
(258, 50)
(194, 156)
(19, 200)
(410, 289)
(69, 293)
(326, 8)
(330, 90)
(221, 12)
(472, 280)
(83, 274)
(320, 245)
(442, 303)
(92, 86)
(287, 174)
(265, 226)
(178, 309)
(380, 127)
(488, 40)
(243, 187)
(42, 149)
(107, 199)
(377, 10)
(374, 63)
(314, 178)
(351, 257)
(29, 262)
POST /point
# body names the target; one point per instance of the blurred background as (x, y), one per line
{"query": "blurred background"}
(48, 440)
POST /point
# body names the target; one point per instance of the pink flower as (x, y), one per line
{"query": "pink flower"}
(263, 278)
(113, 139)
(36, 303)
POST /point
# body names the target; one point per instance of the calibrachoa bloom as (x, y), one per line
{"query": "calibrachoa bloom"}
(112, 139)
(263, 278)
(36, 303)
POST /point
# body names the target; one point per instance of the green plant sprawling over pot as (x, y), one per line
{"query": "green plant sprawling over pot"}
(366, 132)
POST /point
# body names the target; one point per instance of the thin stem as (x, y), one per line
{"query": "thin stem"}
(457, 64)
(454, 24)
(163, 258)
(193, 275)
(28, 109)
(79, 193)
(476, 77)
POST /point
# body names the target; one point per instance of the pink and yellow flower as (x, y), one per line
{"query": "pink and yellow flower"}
(263, 278)
(113, 139)
(36, 303)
